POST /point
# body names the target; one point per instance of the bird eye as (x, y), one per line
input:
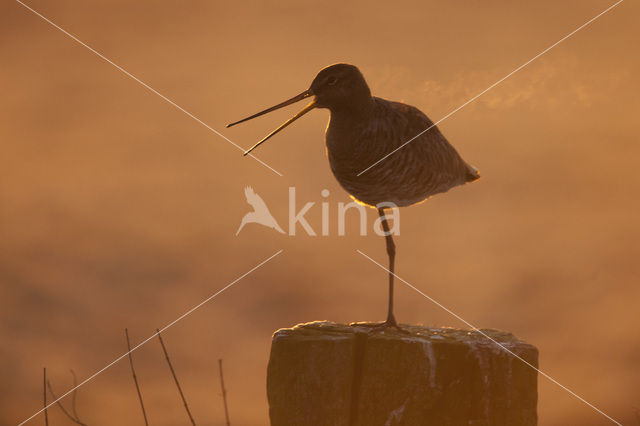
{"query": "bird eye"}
(332, 80)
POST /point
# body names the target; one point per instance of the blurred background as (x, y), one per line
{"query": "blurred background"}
(117, 210)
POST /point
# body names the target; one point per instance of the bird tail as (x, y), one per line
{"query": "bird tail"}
(472, 173)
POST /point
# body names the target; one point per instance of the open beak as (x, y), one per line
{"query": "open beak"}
(295, 99)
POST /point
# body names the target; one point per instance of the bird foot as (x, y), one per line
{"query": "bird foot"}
(377, 327)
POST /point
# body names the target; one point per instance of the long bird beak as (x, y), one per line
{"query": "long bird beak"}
(295, 99)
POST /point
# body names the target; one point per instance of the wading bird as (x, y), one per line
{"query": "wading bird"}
(364, 129)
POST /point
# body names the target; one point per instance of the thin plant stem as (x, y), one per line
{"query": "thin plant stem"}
(135, 379)
(224, 393)
(44, 391)
(73, 395)
(175, 378)
(73, 418)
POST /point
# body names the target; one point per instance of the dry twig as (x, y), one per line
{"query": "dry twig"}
(135, 379)
(175, 378)
(73, 395)
(224, 393)
(44, 389)
(74, 418)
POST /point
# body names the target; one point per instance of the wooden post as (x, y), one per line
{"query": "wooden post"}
(323, 373)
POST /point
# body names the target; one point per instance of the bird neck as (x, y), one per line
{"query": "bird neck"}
(358, 110)
(346, 125)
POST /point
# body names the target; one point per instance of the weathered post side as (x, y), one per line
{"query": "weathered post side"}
(322, 373)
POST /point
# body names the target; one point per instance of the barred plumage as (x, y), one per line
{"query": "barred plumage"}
(424, 167)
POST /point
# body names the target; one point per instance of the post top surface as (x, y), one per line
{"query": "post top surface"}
(321, 330)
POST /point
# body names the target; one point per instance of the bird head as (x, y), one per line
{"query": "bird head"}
(337, 86)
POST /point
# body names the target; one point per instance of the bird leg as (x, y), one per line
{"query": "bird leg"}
(391, 251)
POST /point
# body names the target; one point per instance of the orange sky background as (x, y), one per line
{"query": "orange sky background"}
(117, 210)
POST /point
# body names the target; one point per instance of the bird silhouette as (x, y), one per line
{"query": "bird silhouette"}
(362, 131)
(260, 213)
